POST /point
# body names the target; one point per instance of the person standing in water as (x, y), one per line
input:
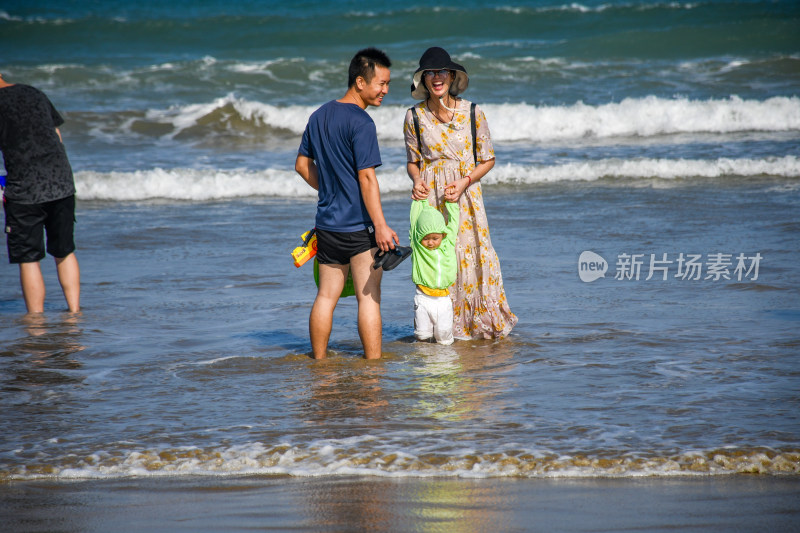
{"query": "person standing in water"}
(39, 195)
(447, 165)
(338, 155)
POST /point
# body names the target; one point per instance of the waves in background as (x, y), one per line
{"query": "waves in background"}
(182, 89)
(635, 126)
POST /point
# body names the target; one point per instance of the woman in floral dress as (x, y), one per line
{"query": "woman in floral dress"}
(443, 168)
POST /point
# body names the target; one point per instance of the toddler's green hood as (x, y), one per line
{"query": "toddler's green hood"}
(430, 221)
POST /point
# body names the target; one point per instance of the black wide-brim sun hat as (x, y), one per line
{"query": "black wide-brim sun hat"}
(436, 58)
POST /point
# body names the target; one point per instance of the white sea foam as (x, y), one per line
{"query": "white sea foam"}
(641, 117)
(581, 8)
(204, 185)
(183, 117)
(5, 16)
(188, 184)
(368, 455)
(787, 167)
(632, 117)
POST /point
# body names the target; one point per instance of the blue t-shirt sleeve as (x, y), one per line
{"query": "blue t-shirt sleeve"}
(365, 146)
(305, 145)
(342, 140)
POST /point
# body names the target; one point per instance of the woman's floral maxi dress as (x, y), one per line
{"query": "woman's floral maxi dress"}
(480, 308)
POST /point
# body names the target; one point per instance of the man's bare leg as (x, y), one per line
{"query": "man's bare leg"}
(331, 282)
(69, 275)
(367, 283)
(33, 290)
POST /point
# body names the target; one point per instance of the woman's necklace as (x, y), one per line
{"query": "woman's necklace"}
(442, 106)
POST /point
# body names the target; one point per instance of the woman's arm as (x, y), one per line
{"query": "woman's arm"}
(485, 154)
(457, 188)
(420, 189)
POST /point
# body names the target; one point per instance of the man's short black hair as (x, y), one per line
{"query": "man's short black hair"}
(363, 64)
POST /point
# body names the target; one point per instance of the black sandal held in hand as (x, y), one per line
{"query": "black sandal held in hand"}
(392, 258)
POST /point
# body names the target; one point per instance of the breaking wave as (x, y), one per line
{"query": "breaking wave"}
(210, 184)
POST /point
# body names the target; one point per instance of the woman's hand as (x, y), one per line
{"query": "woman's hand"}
(420, 190)
(454, 191)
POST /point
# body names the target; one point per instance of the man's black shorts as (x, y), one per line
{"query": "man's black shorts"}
(334, 248)
(26, 225)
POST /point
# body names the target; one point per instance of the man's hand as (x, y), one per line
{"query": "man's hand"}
(386, 238)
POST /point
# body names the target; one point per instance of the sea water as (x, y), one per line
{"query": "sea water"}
(659, 138)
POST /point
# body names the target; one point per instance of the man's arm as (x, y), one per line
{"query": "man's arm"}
(370, 192)
(307, 169)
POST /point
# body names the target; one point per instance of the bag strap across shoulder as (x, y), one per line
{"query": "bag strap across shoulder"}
(474, 127)
(416, 128)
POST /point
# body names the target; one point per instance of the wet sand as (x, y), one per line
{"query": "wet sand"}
(202, 504)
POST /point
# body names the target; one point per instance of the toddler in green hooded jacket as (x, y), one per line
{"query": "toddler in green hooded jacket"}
(433, 245)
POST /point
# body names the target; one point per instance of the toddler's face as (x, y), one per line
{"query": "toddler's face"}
(432, 241)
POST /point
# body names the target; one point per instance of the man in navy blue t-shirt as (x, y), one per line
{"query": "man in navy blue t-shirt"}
(337, 157)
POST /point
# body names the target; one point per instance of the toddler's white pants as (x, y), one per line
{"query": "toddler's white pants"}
(433, 317)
